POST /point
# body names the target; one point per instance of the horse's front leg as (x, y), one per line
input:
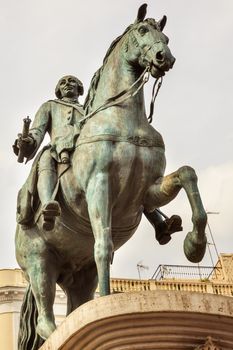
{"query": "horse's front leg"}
(165, 189)
(100, 211)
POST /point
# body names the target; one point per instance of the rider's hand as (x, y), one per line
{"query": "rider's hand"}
(26, 145)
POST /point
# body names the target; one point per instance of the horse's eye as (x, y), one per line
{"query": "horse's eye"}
(142, 30)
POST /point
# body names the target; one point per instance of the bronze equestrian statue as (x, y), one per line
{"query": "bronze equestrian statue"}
(109, 172)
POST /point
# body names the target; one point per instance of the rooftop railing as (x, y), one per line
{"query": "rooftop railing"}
(185, 272)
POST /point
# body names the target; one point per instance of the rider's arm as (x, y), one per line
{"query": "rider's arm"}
(39, 127)
(29, 145)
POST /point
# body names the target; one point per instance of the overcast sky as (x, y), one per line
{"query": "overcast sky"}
(44, 40)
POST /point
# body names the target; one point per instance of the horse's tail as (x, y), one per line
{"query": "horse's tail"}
(28, 339)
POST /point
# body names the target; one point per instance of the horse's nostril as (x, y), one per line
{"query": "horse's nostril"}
(159, 56)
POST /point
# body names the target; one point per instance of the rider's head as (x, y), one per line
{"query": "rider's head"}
(69, 86)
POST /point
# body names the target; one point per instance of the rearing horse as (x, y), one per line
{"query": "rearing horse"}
(117, 171)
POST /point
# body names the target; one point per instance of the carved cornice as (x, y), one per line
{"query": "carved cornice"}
(209, 345)
(11, 294)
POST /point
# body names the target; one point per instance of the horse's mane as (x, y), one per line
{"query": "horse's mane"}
(95, 79)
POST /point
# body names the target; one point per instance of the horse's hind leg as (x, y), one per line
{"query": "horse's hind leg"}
(165, 189)
(42, 271)
(82, 287)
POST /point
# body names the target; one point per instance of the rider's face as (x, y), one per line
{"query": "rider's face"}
(69, 87)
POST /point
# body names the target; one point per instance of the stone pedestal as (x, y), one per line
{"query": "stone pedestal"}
(155, 320)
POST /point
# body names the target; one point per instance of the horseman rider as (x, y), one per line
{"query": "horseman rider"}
(60, 118)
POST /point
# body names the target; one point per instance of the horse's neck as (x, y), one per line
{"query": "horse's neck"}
(126, 118)
(118, 76)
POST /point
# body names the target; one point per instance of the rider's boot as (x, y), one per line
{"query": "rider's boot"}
(50, 208)
(164, 228)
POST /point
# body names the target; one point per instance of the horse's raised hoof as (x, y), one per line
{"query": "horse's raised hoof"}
(49, 212)
(45, 328)
(194, 247)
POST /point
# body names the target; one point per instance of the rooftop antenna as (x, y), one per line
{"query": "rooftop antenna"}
(141, 267)
(212, 241)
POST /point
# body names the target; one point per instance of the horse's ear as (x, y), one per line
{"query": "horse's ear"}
(162, 23)
(141, 13)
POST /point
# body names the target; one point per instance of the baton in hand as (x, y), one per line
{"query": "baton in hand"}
(25, 133)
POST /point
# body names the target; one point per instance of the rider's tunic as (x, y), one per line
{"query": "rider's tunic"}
(61, 120)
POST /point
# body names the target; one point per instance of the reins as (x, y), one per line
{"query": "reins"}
(153, 97)
(126, 94)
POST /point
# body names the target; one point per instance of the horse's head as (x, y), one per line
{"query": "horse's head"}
(147, 46)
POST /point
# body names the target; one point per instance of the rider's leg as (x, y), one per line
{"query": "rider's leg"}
(47, 179)
(163, 227)
(166, 189)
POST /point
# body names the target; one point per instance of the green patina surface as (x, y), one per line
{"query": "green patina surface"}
(89, 187)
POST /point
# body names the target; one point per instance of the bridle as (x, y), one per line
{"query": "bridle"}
(131, 91)
(159, 80)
